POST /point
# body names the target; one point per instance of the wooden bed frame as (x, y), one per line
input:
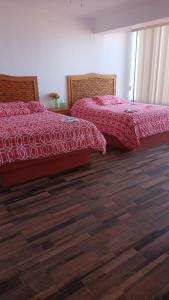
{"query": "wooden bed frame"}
(14, 88)
(89, 85)
(92, 84)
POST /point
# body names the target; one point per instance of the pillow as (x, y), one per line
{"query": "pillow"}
(86, 100)
(108, 99)
(36, 106)
(13, 108)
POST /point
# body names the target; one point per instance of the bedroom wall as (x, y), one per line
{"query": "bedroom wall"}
(51, 45)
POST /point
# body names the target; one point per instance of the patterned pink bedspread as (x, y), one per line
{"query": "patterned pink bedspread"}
(128, 127)
(45, 134)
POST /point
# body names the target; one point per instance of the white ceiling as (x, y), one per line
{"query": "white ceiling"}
(90, 8)
(95, 7)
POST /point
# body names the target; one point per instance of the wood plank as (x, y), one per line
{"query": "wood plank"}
(99, 232)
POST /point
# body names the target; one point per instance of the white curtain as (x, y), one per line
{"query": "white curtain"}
(152, 66)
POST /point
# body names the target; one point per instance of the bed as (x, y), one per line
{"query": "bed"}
(39, 143)
(130, 126)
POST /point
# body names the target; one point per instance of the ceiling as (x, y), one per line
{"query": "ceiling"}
(90, 8)
(97, 7)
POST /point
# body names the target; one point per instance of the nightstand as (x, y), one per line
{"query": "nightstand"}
(61, 110)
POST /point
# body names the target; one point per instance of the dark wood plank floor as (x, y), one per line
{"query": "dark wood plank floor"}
(101, 232)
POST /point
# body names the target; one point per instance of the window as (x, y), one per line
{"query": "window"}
(150, 66)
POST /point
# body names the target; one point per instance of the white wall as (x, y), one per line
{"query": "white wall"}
(133, 16)
(116, 58)
(51, 45)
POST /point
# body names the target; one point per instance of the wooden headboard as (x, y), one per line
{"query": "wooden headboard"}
(18, 88)
(88, 85)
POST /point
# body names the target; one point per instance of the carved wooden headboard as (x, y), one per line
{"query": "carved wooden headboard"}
(88, 85)
(18, 88)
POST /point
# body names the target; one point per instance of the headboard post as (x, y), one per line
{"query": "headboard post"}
(89, 85)
(18, 88)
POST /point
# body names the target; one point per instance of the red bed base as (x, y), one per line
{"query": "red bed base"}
(19, 172)
(147, 142)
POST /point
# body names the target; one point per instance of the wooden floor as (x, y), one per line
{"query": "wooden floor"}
(101, 232)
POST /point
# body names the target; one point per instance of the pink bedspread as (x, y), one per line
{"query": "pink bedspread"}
(128, 127)
(45, 134)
